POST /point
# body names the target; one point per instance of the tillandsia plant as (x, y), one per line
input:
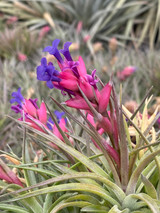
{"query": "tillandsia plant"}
(110, 163)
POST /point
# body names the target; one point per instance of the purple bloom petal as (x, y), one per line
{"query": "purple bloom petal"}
(70, 92)
(54, 78)
(55, 43)
(53, 50)
(44, 61)
(16, 108)
(42, 75)
(73, 66)
(56, 72)
(50, 123)
(66, 52)
(50, 84)
(52, 72)
(50, 63)
(91, 79)
(17, 97)
(47, 73)
(48, 49)
(34, 102)
(58, 115)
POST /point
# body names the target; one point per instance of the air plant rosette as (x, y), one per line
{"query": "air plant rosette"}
(110, 163)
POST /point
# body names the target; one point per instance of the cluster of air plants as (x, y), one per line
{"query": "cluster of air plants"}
(95, 157)
(136, 21)
(21, 43)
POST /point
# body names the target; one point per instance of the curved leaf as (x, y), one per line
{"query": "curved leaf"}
(70, 187)
(151, 191)
(135, 175)
(73, 152)
(80, 204)
(95, 208)
(149, 201)
(13, 208)
(115, 209)
(110, 185)
(84, 197)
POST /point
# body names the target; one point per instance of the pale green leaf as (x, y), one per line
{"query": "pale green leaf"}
(95, 208)
(13, 208)
(115, 209)
(150, 189)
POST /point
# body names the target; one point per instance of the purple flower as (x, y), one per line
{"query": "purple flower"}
(16, 108)
(91, 79)
(54, 51)
(50, 123)
(17, 97)
(47, 72)
(58, 115)
(66, 52)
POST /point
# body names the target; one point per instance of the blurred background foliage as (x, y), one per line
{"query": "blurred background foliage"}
(127, 20)
(109, 35)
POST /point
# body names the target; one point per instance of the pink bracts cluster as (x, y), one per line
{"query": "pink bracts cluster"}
(36, 117)
(43, 32)
(72, 79)
(21, 57)
(126, 72)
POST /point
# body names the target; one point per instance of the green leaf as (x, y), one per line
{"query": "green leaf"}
(62, 198)
(143, 210)
(148, 172)
(137, 172)
(132, 204)
(62, 205)
(110, 185)
(95, 208)
(115, 209)
(29, 175)
(95, 150)
(29, 203)
(151, 191)
(151, 203)
(84, 197)
(13, 208)
(70, 187)
(48, 202)
(123, 146)
(77, 155)
(42, 171)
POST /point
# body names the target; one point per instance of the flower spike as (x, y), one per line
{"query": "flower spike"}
(66, 52)
(54, 51)
(47, 72)
(17, 97)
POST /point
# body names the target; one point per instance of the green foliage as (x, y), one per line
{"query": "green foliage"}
(18, 40)
(87, 183)
(136, 21)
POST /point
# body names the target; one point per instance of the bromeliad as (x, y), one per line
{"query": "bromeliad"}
(72, 79)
